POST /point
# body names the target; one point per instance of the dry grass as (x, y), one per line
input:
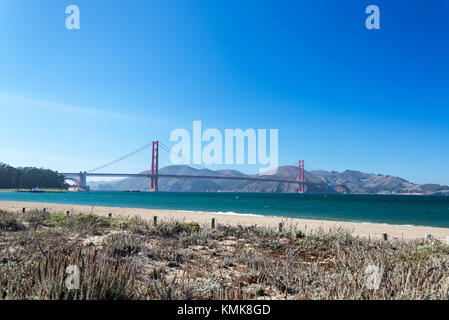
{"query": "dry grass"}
(132, 259)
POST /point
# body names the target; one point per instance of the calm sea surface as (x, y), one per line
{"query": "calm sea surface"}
(412, 210)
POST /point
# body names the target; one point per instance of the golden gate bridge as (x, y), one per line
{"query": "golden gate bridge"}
(80, 178)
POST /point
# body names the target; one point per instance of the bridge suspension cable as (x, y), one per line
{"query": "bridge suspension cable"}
(147, 146)
(308, 167)
(187, 161)
(121, 158)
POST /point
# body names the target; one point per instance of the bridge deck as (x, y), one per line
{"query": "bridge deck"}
(144, 175)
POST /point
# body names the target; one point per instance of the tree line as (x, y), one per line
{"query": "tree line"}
(29, 177)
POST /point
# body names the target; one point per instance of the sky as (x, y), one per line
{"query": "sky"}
(342, 96)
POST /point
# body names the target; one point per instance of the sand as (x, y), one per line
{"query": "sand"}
(372, 230)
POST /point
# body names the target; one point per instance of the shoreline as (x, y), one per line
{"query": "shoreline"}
(362, 229)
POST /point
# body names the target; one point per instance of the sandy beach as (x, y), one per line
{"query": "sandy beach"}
(372, 230)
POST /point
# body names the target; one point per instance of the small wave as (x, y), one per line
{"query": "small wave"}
(396, 224)
(231, 213)
(228, 213)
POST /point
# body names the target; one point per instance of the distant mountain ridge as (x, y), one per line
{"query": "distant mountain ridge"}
(349, 181)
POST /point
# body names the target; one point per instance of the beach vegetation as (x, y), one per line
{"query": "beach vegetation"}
(121, 258)
(10, 222)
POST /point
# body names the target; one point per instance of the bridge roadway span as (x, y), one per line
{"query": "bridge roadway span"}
(147, 175)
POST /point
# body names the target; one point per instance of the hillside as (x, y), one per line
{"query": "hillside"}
(349, 181)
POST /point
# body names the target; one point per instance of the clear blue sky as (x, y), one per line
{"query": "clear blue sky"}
(343, 97)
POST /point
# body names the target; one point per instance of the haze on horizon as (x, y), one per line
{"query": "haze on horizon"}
(343, 97)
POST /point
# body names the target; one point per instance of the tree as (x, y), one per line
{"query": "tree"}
(29, 177)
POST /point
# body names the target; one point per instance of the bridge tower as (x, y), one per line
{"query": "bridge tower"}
(154, 166)
(301, 177)
(82, 181)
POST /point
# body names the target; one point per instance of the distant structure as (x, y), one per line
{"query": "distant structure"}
(154, 166)
(301, 178)
(80, 178)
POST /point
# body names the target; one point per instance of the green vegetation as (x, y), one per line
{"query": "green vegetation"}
(28, 178)
(122, 258)
(433, 187)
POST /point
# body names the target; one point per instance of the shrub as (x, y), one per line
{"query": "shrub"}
(36, 217)
(123, 245)
(9, 222)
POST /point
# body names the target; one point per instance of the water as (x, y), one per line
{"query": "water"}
(410, 210)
